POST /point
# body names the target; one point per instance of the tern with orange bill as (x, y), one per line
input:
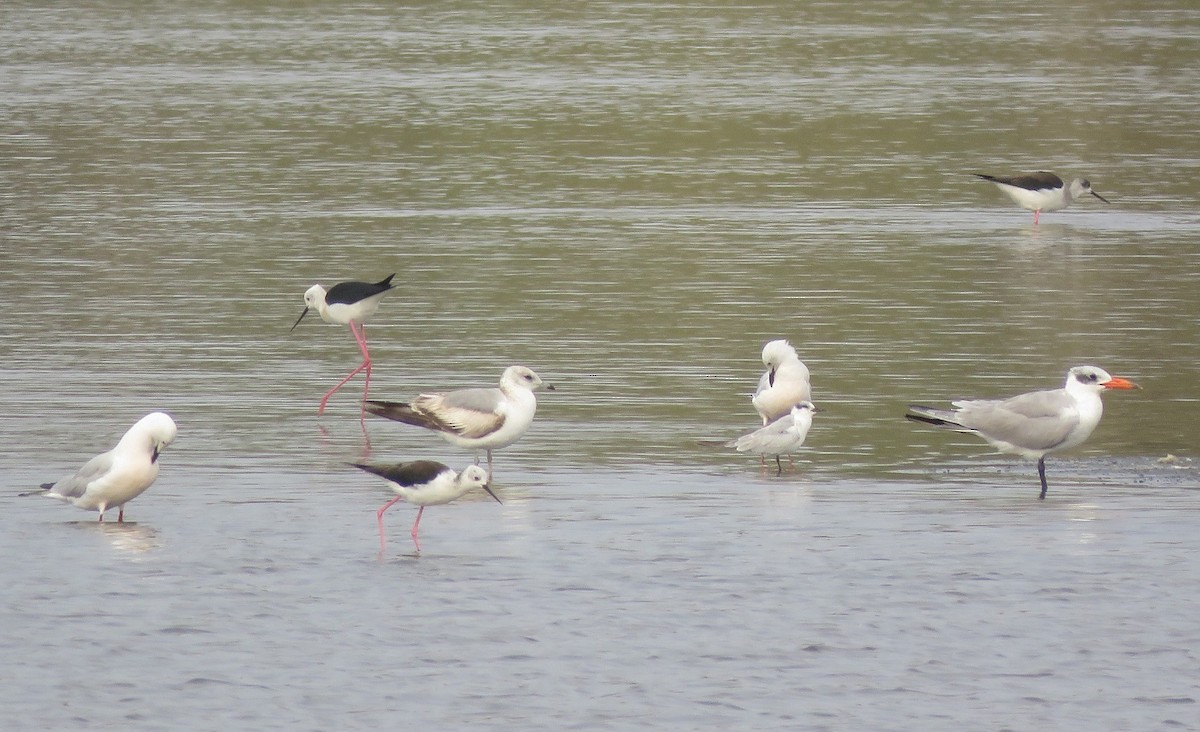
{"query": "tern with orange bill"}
(1032, 425)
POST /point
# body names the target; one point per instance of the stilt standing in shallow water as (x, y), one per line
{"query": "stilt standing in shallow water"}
(425, 483)
(1042, 191)
(348, 303)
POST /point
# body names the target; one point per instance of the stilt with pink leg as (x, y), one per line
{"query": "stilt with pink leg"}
(1041, 191)
(348, 303)
(425, 483)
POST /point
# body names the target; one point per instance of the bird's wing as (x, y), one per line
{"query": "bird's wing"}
(789, 389)
(406, 413)
(417, 472)
(467, 412)
(936, 417)
(1039, 181)
(765, 381)
(775, 437)
(348, 293)
(74, 486)
(1038, 420)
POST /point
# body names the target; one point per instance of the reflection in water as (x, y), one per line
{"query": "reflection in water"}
(129, 537)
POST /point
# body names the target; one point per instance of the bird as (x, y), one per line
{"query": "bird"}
(1041, 191)
(425, 483)
(783, 385)
(347, 303)
(780, 437)
(120, 475)
(1035, 424)
(478, 419)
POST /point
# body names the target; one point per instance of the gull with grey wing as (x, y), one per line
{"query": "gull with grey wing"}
(116, 477)
(1035, 424)
(477, 419)
(781, 437)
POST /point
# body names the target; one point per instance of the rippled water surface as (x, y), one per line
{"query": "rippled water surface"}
(630, 199)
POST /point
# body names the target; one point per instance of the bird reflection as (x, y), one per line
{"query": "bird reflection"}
(133, 538)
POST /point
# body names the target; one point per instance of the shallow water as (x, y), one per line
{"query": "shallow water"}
(630, 199)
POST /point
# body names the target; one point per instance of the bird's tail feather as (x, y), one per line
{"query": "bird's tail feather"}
(373, 470)
(936, 417)
(404, 412)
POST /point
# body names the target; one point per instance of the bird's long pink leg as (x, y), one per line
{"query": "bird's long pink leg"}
(361, 337)
(121, 515)
(1035, 216)
(366, 364)
(414, 530)
(379, 518)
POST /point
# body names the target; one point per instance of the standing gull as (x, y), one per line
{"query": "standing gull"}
(120, 475)
(425, 483)
(348, 303)
(1032, 425)
(1041, 191)
(477, 419)
(783, 385)
(783, 436)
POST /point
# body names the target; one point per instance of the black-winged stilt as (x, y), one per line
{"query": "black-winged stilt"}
(1041, 191)
(348, 303)
(425, 483)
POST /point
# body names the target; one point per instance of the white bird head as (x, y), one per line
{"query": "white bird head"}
(314, 297)
(1095, 379)
(1079, 186)
(152, 433)
(802, 413)
(476, 477)
(776, 352)
(524, 378)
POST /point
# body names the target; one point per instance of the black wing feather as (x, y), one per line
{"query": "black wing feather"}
(348, 293)
(417, 472)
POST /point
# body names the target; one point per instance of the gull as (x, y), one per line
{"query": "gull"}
(1035, 424)
(425, 483)
(477, 419)
(120, 475)
(783, 385)
(1041, 191)
(347, 303)
(780, 437)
